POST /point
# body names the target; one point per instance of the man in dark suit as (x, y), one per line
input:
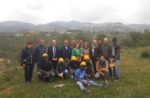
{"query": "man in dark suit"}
(66, 51)
(54, 53)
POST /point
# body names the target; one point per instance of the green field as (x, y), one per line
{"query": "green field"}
(134, 82)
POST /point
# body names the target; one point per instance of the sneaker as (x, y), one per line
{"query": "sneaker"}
(100, 85)
(86, 91)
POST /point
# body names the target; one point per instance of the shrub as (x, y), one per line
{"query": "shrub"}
(145, 54)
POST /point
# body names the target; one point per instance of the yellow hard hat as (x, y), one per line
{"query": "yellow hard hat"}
(86, 57)
(73, 58)
(82, 63)
(45, 55)
(61, 60)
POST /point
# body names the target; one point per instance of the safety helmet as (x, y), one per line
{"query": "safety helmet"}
(86, 57)
(61, 60)
(82, 63)
(73, 58)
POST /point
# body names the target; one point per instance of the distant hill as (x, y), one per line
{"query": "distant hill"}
(60, 26)
(15, 26)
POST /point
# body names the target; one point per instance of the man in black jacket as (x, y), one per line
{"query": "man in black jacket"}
(53, 53)
(27, 61)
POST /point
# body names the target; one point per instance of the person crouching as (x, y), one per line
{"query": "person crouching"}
(89, 67)
(47, 69)
(73, 65)
(102, 70)
(62, 69)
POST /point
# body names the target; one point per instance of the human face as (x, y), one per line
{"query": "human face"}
(94, 42)
(77, 46)
(106, 41)
(29, 45)
(65, 43)
(42, 42)
(54, 42)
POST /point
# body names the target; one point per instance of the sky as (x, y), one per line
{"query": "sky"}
(96, 11)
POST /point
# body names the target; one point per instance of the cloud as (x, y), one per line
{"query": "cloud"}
(43, 11)
(35, 5)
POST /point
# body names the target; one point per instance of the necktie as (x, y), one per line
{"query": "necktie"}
(54, 51)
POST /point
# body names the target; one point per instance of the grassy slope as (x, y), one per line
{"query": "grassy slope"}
(134, 83)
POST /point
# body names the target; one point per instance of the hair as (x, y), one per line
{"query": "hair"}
(29, 42)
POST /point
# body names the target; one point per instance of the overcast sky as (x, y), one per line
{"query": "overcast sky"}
(97, 11)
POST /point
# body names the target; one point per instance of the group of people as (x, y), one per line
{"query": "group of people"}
(77, 60)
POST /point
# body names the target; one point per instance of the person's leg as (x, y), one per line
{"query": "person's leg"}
(110, 72)
(31, 72)
(105, 78)
(27, 73)
(55, 65)
(117, 69)
(93, 83)
(38, 71)
(81, 86)
(94, 63)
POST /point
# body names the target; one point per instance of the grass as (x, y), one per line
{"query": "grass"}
(134, 82)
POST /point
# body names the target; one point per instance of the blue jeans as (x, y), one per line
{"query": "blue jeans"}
(117, 69)
(82, 82)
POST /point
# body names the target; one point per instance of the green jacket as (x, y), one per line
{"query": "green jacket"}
(76, 52)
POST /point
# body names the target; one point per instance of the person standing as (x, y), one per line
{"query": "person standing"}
(85, 50)
(94, 53)
(77, 52)
(39, 51)
(66, 52)
(54, 53)
(27, 61)
(116, 56)
(106, 49)
(107, 52)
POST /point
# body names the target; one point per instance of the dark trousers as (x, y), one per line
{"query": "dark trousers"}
(46, 78)
(38, 70)
(55, 65)
(94, 60)
(28, 72)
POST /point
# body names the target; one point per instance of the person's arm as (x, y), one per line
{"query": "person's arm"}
(73, 52)
(35, 54)
(61, 52)
(117, 51)
(57, 67)
(107, 65)
(87, 78)
(110, 51)
(51, 68)
(22, 57)
(58, 52)
(77, 76)
(97, 67)
(70, 53)
(100, 51)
